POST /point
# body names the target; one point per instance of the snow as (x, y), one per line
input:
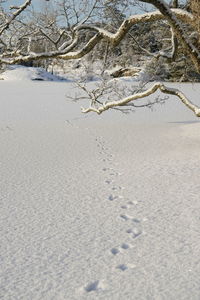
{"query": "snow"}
(97, 207)
(18, 72)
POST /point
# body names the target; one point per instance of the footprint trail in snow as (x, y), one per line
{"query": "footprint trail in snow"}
(115, 195)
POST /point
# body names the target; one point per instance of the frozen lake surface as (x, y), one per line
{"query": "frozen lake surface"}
(97, 207)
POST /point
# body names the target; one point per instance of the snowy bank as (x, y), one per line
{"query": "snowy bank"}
(18, 72)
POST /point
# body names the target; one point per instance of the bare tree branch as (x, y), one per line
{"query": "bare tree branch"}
(64, 52)
(150, 91)
(19, 10)
(177, 27)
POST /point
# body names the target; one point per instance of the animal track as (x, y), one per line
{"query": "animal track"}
(123, 246)
(108, 181)
(124, 206)
(94, 286)
(122, 267)
(111, 197)
(114, 251)
(108, 169)
(129, 203)
(124, 217)
(115, 188)
(136, 232)
(115, 173)
(136, 220)
(133, 202)
(127, 217)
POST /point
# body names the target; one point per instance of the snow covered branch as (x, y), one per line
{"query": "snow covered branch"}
(178, 29)
(150, 91)
(115, 38)
(64, 52)
(19, 10)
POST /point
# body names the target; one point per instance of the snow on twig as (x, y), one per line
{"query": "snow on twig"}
(150, 91)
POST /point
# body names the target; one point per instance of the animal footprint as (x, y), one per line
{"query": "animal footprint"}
(125, 246)
(122, 267)
(136, 220)
(108, 181)
(114, 188)
(114, 251)
(94, 286)
(124, 217)
(111, 197)
(124, 206)
(115, 173)
(136, 232)
(130, 202)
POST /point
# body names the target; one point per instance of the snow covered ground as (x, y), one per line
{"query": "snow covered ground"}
(21, 73)
(97, 207)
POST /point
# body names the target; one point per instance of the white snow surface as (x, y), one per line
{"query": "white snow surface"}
(22, 73)
(97, 207)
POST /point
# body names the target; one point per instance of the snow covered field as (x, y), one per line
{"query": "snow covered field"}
(97, 207)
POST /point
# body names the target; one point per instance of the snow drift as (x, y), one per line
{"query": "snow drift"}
(19, 73)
